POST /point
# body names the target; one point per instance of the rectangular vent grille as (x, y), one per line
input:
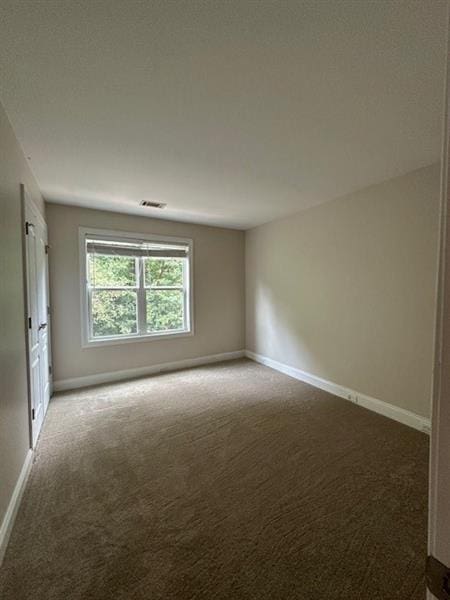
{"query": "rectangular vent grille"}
(150, 204)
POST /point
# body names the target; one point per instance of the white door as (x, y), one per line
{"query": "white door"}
(38, 316)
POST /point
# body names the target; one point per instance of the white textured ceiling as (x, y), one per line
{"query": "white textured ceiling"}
(234, 113)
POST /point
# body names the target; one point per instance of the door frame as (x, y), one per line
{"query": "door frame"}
(27, 201)
(439, 481)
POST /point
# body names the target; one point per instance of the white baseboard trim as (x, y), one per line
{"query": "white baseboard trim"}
(13, 506)
(379, 406)
(80, 382)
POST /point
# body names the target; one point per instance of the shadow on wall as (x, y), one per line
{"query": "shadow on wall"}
(345, 291)
(278, 335)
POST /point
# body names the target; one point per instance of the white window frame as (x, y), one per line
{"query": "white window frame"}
(87, 340)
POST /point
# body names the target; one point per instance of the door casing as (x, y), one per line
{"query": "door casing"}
(439, 486)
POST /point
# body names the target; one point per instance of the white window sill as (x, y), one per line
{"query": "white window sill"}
(132, 339)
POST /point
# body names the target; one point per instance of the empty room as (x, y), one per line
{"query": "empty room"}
(225, 317)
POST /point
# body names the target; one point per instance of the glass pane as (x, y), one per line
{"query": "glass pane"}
(165, 310)
(111, 271)
(113, 312)
(164, 271)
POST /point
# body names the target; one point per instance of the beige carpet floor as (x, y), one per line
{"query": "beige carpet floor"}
(224, 482)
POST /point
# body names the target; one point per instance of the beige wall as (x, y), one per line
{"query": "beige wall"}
(14, 433)
(218, 294)
(346, 290)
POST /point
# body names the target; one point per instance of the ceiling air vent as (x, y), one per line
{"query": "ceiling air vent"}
(150, 204)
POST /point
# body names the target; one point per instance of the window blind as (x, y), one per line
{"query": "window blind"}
(136, 248)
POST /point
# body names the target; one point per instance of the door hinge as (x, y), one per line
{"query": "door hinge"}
(47, 248)
(29, 322)
(49, 369)
(48, 310)
(438, 578)
(26, 228)
(32, 414)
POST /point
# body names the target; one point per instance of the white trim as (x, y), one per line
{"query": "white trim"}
(86, 340)
(14, 503)
(133, 339)
(379, 406)
(80, 382)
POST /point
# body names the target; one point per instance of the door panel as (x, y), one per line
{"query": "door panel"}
(43, 327)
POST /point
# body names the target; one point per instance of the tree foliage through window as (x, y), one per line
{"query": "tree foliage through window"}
(116, 284)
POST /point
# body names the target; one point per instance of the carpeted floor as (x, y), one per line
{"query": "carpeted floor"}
(224, 482)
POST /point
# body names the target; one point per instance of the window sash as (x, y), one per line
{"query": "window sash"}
(168, 287)
(184, 307)
(118, 336)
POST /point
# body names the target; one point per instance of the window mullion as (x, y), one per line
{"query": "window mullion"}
(186, 308)
(124, 288)
(166, 288)
(90, 323)
(142, 316)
